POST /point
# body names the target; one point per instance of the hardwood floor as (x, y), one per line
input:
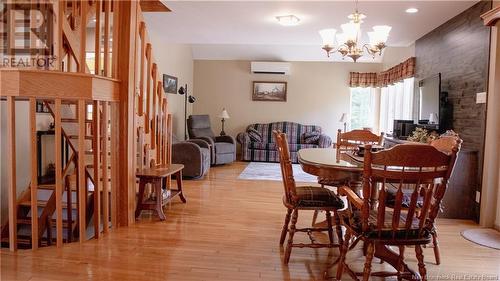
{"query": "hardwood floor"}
(228, 230)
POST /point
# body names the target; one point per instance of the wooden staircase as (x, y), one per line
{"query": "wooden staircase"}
(46, 193)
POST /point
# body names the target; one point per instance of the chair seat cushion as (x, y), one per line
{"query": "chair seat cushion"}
(353, 221)
(224, 147)
(406, 199)
(315, 196)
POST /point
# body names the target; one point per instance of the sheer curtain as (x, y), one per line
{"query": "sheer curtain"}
(396, 102)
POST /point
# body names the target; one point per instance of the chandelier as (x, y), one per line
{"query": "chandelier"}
(349, 40)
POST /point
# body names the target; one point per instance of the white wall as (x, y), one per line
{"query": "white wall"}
(318, 93)
(23, 152)
(175, 60)
(396, 55)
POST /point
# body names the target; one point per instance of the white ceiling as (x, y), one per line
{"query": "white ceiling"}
(248, 29)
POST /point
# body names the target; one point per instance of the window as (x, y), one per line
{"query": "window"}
(396, 102)
(362, 108)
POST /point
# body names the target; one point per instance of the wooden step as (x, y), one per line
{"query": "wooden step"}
(75, 137)
(47, 186)
(40, 203)
(91, 166)
(20, 240)
(73, 120)
(64, 223)
(25, 221)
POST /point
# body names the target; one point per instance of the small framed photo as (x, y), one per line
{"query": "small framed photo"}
(169, 84)
(269, 91)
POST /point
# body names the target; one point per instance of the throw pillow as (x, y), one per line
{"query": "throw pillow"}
(311, 137)
(254, 135)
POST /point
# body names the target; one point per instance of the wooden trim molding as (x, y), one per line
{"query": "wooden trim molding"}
(54, 84)
(491, 17)
(153, 6)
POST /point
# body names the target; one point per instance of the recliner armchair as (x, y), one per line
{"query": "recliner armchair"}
(194, 155)
(223, 148)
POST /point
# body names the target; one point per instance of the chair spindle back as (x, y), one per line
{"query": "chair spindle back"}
(286, 166)
(422, 168)
(352, 139)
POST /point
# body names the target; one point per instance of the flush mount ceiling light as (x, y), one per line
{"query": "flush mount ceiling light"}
(348, 42)
(411, 10)
(288, 20)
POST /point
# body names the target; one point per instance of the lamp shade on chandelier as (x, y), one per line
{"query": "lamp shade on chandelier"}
(348, 43)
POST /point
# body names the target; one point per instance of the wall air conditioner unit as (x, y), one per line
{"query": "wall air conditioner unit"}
(265, 67)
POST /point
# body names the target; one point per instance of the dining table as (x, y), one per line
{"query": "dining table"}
(337, 168)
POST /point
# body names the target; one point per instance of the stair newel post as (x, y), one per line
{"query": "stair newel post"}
(96, 137)
(82, 188)
(11, 147)
(34, 176)
(58, 172)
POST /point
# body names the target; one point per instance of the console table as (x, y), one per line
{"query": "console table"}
(157, 176)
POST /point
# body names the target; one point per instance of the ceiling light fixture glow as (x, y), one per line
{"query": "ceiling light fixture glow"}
(411, 10)
(288, 20)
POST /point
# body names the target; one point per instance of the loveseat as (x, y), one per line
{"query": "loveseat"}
(263, 149)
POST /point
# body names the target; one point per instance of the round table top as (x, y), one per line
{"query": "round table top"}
(329, 158)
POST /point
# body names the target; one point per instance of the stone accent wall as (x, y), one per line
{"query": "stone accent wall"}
(459, 50)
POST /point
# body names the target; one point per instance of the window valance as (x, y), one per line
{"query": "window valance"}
(364, 80)
(393, 75)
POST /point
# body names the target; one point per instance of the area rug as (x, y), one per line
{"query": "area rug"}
(272, 172)
(487, 237)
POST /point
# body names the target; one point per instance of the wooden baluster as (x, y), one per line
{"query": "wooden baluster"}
(83, 37)
(11, 156)
(114, 162)
(58, 9)
(114, 58)
(58, 175)
(148, 89)
(96, 139)
(34, 176)
(169, 137)
(97, 53)
(82, 195)
(107, 9)
(140, 136)
(154, 114)
(142, 28)
(105, 178)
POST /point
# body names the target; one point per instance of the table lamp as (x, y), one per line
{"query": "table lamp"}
(223, 115)
(344, 120)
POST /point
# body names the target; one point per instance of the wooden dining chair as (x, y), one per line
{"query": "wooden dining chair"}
(426, 170)
(346, 142)
(445, 144)
(304, 198)
(351, 140)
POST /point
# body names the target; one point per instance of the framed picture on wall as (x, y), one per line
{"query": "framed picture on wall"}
(169, 84)
(269, 91)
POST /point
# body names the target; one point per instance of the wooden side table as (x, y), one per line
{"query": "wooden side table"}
(156, 176)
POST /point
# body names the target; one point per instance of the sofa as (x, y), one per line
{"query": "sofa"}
(222, 148)
(194, 155)
(266, 149)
